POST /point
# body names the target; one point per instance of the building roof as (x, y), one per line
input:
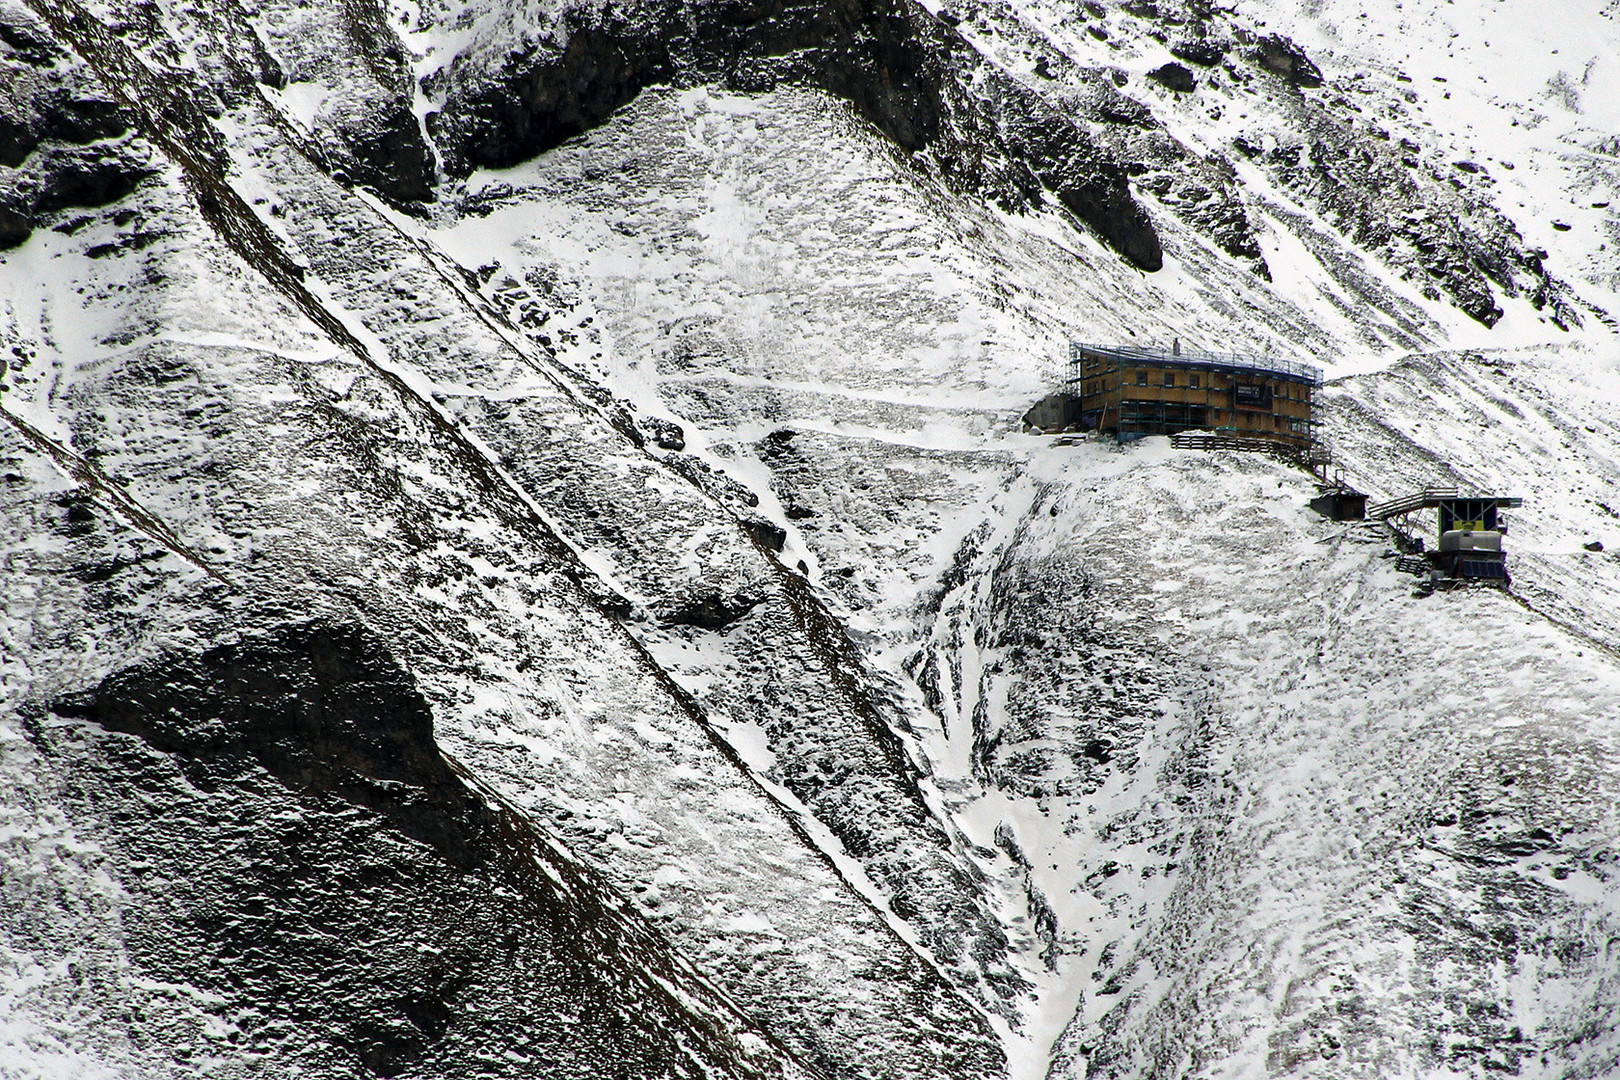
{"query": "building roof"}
(1235, 363)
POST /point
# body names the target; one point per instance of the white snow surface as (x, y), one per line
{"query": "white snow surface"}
(1234, 590)
(1240, 801)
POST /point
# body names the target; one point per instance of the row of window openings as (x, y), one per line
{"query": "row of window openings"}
(1193, 383)
(1142, 380)
(1279, 423)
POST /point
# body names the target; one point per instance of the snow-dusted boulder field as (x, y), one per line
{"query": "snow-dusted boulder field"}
(520, 556)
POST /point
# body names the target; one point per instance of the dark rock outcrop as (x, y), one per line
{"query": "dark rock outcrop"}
(59, 178)
(714, 610)
(1454, 242)
(910, 75)
(765, 532)
(15, 227)
(1174, 77)
(548, 96)
(290, 843)
(26, 43)
(57, 135)
(46, 97)
(1205, 52)
(1054, 412)
(317, 707)
(70, 179)
(666, 434)
(58, 117)
(1202, 191)
(1283, 58)
(377, 140)
(386, 153)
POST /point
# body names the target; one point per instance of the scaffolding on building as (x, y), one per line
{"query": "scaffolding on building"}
(1177, 356)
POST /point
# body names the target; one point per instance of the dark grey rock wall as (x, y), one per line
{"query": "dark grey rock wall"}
(292, 847)
(909, 74)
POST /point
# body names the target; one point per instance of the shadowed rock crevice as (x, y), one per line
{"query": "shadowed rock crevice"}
(376, 140)
(60, 144)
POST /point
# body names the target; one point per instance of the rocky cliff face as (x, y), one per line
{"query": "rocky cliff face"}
(520, 557)
(295, 852)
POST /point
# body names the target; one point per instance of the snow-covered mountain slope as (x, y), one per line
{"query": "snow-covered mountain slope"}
(548, 698)
(623, 402)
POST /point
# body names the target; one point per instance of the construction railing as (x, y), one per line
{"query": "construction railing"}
(1132, 354)
(1309, 455)
(1418, 500)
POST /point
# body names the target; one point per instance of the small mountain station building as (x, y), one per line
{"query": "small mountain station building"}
(1469, 546)
(1131, 392)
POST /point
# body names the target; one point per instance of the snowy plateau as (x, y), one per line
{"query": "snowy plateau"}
(520, 555)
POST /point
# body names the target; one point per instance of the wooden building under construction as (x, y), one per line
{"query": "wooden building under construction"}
(1131, 392)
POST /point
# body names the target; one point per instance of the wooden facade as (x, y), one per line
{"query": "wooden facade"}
(1133, 392)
